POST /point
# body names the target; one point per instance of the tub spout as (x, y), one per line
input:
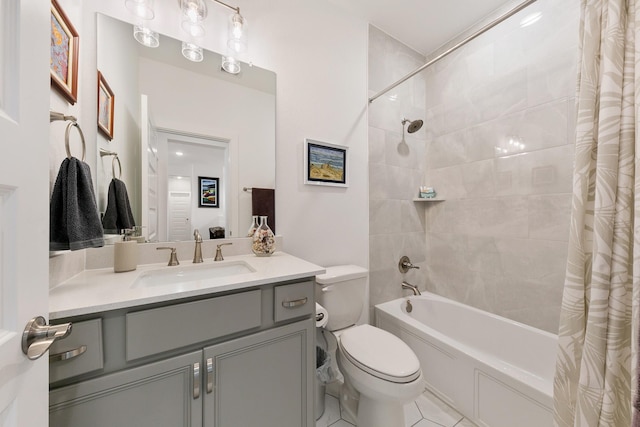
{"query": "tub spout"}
(413, 288)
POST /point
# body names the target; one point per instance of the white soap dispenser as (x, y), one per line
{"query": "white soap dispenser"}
(125, 253)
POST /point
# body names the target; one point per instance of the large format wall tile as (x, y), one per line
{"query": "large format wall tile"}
(498, 146)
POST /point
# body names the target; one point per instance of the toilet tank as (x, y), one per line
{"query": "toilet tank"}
(341, 290)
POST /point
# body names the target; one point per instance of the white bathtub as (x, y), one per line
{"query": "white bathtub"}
(496, 372)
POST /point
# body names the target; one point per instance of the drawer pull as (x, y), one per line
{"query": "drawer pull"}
(209, 375)
(196, 380)
(66, 355)
(295, 303)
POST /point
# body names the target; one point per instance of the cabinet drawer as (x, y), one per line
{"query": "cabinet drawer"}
(166, 328)
(291, 301)
(79, 353)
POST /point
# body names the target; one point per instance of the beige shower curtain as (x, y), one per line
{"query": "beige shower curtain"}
(596, 377)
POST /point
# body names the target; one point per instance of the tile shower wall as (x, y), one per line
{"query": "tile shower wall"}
(396, 168)
(497, 144)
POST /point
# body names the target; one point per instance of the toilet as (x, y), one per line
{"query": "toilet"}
(381, 373)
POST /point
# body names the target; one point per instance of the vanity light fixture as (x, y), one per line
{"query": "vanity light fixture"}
(145, 36)
(143, 9)
(192, 52)
(230, 64)
(237, 37)
(194, 13)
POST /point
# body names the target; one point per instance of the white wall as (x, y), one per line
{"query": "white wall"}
(320, 57)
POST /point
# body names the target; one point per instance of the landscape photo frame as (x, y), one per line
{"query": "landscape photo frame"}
(325, 163)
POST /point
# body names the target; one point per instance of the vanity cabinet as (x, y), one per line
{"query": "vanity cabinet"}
(224, 360)
(259, 380)
(157, 394)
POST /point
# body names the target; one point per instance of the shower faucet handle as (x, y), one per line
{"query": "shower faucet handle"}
(405, 265)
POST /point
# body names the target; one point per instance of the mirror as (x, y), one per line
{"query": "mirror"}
(223, 124)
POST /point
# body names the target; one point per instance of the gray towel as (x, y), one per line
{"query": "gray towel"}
(118, 215)
(74, 222)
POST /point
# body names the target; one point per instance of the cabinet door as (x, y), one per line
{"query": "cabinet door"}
(265, 379)
(161, 394)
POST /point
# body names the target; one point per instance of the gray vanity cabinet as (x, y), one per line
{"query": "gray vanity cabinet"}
(260, 380)
(232, 360)
(159, 394)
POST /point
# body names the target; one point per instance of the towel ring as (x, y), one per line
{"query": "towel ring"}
(66, 139)
(113, 167)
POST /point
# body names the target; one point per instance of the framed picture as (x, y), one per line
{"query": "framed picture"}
(209, 192)
(325, 164)
(64, 54)
(106, 103)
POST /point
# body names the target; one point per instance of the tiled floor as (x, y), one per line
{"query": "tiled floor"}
(426, 411)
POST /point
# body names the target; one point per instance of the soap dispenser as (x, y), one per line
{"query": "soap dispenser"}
(125, 253)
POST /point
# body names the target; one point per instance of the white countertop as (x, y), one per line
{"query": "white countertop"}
(95, 291)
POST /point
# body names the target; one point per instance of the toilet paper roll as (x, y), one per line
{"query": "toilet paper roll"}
(322, 316)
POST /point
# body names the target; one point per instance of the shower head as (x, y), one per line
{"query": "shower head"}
(414, 125)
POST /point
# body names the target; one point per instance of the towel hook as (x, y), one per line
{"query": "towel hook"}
(113, 167)
(66, 139)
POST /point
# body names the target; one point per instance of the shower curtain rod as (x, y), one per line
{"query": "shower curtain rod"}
(466, 40)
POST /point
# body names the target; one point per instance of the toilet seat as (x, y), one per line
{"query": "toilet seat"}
(380, 353)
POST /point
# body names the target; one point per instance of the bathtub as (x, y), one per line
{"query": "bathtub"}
(496, 372)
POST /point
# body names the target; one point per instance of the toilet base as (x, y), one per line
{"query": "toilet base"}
(374, 413)
(364, 411)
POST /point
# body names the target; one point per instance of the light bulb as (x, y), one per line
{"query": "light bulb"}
(237, 35)
(194, 10)
(141, 8)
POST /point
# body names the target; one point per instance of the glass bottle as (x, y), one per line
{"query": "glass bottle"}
(264, 241)
(253, 227)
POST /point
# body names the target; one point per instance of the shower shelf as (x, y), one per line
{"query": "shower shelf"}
(424, 199)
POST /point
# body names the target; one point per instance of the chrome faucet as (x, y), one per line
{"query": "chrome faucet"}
(197, 254)
(219, 251)
(413, 288)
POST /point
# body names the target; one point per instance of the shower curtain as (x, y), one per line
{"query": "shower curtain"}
(596, 377)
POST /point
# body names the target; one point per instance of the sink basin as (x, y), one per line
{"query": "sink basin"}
(206, 275)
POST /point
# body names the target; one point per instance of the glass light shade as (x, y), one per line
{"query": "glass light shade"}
(141, 8)
(192, 52)
(193, 10)
(194, 29)
(231, 65)
(237, 35)
(145, 36)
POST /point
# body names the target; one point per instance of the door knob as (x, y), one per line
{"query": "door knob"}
(38, 337)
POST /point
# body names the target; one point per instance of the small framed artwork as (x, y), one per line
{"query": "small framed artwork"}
(209, 192)
(325, 164)
(106, 104)
(64, 54)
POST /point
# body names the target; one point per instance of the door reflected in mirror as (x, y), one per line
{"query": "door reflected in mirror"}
(164, 101)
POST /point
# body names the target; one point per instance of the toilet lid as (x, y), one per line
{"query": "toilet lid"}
(380, 353)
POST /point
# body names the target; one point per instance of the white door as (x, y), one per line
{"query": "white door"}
(149, 179)
(179, 209)
(24, 205)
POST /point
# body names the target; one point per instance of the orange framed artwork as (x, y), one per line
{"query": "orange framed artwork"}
(64, 54)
